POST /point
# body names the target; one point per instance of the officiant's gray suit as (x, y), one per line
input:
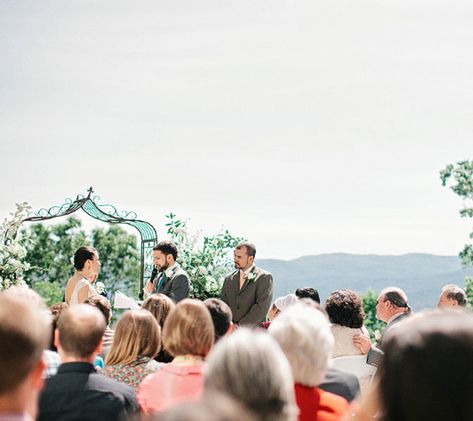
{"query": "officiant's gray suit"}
(251, 303)
(176, 287)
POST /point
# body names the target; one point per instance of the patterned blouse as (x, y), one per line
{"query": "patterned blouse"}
(131, 374)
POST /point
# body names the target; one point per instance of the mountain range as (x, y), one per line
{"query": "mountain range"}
(420, 275)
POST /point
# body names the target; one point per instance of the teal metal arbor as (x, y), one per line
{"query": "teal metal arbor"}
(105, 213)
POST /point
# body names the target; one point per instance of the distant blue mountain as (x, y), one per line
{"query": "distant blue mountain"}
(420, 275)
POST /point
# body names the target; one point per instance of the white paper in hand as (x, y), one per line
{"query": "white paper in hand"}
(123, 301)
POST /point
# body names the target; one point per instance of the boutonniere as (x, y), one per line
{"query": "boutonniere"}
(169, 273)
(100, 287)
(377, 334)
(250, 277)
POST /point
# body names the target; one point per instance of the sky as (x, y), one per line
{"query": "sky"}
(307, 127)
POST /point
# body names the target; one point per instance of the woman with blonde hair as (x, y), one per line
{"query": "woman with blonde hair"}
(159, 305)
(136, 342)
(188, 335)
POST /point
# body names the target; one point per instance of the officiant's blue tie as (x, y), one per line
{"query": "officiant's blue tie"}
(161, 281)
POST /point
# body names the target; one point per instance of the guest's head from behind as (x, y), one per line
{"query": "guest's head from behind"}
(345, 308)
(308, 292)
(102, 304)
(159, 305)
(221, 316)
(427, 371)
(56, 311)
(391, 302)
(164, 255)
(86, 261)
(244, 255)
(250, 367)
(214, 406)
(24, 334)
(280, 305)
(79, 333)
(188, 329)
(137, 334)
(452, 296)
(304, 335)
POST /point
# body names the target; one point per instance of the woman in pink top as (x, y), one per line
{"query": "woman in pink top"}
(188, 335)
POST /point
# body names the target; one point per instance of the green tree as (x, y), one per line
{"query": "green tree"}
(372, 323)
(205, 260)
(50, 249)
(469, 291)
(461, 177)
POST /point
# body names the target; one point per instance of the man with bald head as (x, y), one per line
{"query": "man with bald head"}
(391, 308)
(77, 391)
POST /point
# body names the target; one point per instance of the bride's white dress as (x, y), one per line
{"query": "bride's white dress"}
(79, 285)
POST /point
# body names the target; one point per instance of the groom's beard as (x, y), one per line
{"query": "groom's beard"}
(163, 267)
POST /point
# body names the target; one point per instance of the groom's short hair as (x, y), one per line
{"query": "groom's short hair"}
(167, 247)
(250, 248)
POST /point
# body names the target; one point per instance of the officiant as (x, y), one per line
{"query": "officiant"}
(171, 280)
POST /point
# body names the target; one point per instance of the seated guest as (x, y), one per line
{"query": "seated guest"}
(221, 316)
(336, 381)
(213, 406)
(345, 311)
(103, 305)
(391, 308)
(77, 391)
(427, 371)
(279, 305)
(452, 296)
(249, 367)
(303, 334)
(24, 334)
(159, 305)
(308, 292)
(188, 335)
(137, 341)
(56, 311)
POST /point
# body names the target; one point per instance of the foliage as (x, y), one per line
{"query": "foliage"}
(462, 185)
(207, 261)
(372, 323)
(12, 251)
(119, 257)
(469, 291)
(51, 248)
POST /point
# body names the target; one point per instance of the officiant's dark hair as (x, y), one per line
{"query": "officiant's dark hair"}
(250, 248)
(82, 255)
(167, 247)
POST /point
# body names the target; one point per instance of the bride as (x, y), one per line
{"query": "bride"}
(87, 265)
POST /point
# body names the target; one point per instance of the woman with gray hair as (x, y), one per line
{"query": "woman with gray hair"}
(304, 335)
(250, 367)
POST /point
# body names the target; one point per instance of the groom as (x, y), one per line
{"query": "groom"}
(171, 280)
(249, 290)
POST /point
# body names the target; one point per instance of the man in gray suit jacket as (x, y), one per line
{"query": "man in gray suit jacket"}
(249, 290)
(172, 280)
(391, 307)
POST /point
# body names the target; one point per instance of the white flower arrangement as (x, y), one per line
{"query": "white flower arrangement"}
(12, 252)
(100, 287)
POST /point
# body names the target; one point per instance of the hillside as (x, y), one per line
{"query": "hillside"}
(420, 275)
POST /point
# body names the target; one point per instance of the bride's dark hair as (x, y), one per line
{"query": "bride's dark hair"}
(82, 255)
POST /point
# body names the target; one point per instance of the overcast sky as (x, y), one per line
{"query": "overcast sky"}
(305, 126)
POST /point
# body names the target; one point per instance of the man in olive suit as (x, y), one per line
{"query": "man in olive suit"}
(248, 290)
